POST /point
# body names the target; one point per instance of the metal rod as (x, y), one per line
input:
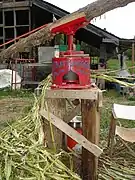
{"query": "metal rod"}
(23, 35)
(70, 42)
(15, 73)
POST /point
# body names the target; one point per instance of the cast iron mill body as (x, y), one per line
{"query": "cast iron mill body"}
(71, 70)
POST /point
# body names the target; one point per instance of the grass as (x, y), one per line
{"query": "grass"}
(23, 93)
(113, 64)
(109, 98)
(22, 153)
(14, 104)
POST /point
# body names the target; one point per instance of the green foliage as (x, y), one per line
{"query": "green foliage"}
(113, 64)
(128, 53)
(15, 93)
(129, 64)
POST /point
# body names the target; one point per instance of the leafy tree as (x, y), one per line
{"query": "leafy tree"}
(128, 53)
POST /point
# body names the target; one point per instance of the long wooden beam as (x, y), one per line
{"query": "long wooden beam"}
(91, 11)
(22, 4)
(64, 127)
(91, 93)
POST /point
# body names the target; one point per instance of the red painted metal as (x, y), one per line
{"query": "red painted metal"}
(70, 42)
(77, 125)
(23, 35)
(72, 69)
(70, 142)
(80, 66)
(71, 27)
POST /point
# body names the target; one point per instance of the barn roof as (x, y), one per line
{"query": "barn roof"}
(91, 34)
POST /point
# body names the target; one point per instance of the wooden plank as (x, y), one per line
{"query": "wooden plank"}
(68, 19)
(17, 8)
(30, 82)
(123, 112)
(15, 31)
(23, 25)
(30, 22)
(127, 134)
(133, 56)
(58, 108)
(15, 4)
(91, 131)
(37, 64)
(68, 117)
(91, 93)
(112, 129)
(64, 127)
(9, 27)
(100, 99)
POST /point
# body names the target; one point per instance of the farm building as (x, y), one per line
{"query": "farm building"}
(18, 17)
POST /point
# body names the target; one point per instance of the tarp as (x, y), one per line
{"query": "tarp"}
(123, 112)
(127, 134)
(6, 79)
(123, 73)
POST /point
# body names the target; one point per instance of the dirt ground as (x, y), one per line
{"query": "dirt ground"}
(12, 108)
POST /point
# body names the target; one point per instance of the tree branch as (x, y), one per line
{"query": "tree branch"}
(91, 11)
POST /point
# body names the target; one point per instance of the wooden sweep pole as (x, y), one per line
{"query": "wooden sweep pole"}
(91, 11)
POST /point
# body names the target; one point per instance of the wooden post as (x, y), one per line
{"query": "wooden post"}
(91, 130)
(91, 123)
(133, 55)
(72, 133)
(15, 33)
(3, 14)
(57, 107)
(111, 134)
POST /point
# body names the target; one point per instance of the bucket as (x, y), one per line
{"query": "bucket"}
(75, 123)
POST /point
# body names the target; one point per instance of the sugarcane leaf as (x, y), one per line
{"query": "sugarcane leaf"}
(30, 178)
(15, 133)
(8, 166)
(0, 171)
